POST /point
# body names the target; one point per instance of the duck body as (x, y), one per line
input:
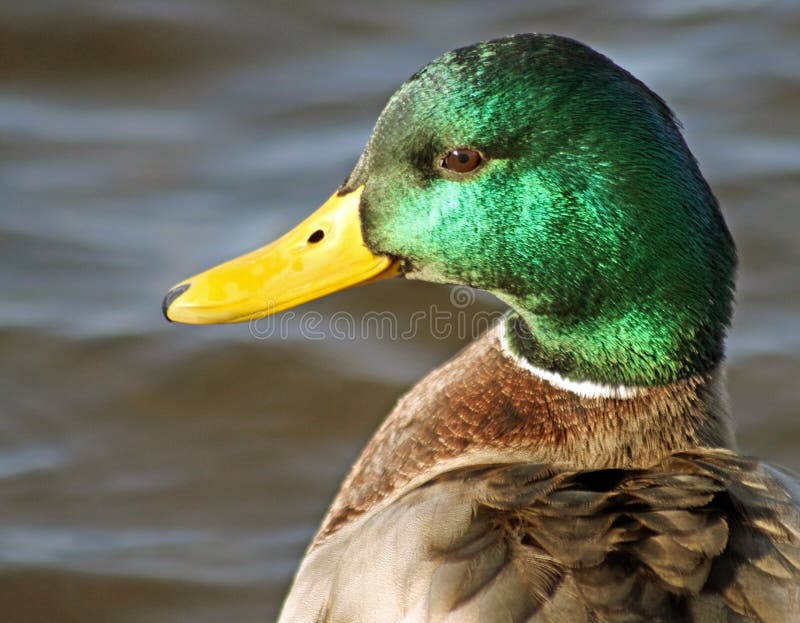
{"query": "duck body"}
(576, 463)
(490, 494)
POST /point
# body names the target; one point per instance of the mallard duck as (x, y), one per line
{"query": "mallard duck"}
(575, 463)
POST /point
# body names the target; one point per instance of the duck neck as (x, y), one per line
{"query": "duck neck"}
(639, 348)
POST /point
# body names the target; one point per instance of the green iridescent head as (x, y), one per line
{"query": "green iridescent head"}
(587, 213)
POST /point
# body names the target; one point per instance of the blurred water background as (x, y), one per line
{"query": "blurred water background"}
(155, 473)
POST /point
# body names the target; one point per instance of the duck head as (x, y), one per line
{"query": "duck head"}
(536, 169)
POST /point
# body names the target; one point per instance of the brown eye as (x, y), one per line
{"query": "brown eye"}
(462, 160)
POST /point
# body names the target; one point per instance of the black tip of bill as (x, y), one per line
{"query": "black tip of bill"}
(171, 296)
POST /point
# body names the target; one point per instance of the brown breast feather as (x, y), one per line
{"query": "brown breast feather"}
(483, 402)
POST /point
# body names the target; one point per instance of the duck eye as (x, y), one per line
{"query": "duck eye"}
(462, 160)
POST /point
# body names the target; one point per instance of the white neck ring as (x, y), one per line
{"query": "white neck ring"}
(585, 389)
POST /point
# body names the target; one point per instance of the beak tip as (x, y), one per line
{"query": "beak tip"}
(170, 297)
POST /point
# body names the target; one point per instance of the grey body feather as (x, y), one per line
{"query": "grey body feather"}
(703, 536)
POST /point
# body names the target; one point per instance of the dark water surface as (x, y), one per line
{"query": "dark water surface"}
(168, 473)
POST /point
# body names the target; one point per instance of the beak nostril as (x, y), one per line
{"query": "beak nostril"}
(171, 296)
(316, 236)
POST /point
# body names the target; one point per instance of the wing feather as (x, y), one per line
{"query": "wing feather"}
(703, 536)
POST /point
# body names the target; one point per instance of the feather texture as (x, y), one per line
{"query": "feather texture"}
(703, 536)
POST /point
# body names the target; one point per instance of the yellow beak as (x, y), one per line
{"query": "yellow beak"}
(323, 254)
